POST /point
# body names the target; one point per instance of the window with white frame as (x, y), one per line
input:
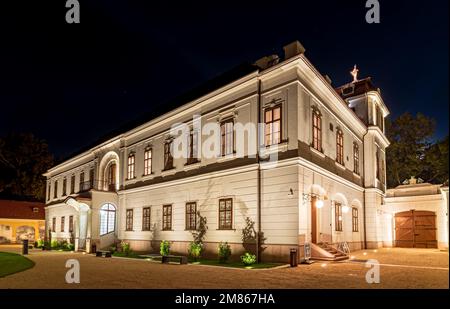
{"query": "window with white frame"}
(107, 219)
(272, 129)
(227, 137)
(131, 166)
(147, 161)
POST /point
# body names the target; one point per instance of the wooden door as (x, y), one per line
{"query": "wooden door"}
(415, 229)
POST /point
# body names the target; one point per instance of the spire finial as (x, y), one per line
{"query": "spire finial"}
(354, 73)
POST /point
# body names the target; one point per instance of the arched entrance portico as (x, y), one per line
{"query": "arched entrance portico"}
(82, 224)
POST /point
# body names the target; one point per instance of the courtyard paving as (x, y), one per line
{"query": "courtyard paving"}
(399, 268)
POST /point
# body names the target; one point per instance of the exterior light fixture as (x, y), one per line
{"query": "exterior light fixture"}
(319, 203)
(345, 209)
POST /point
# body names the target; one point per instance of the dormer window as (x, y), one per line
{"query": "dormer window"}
(348, 90)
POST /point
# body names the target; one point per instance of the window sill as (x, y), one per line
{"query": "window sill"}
(228, 157)
(317, 152)
(167, 230)
(168, 172)
(234, 230)
(129, 230)
(192, 166)
(129, 179)
(148, 176)
(342, 167)
(283, 146)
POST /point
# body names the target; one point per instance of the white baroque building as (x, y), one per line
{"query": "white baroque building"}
(315, 173)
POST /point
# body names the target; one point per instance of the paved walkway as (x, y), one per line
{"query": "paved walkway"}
(400, 268)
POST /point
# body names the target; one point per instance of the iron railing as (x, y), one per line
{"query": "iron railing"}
(99, 185)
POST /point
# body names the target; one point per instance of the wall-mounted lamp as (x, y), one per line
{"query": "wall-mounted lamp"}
(319, 203)
(345, 209)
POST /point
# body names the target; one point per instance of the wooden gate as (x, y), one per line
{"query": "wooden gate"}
(415, 229)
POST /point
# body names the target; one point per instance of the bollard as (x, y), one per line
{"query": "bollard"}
(294, 258)
(25, 247)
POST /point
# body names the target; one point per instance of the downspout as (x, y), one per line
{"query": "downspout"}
(258, 210)
(364, 205)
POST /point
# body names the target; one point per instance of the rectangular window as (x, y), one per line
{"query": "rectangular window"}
(72, 184)
(147, 161)
(70, 224)
(63, 221)
(54, 224)
(377, 162)
(338, 216)
(226, 214)
(340, 147)
(146, 211)
(356, 158)
(168, 158)
(227, 137)
(272, 121)
(64, 187)
(167, 217)
(129, 220)
(55, 192)
(131, 166)
(193, 147)
(81, 182)
(317, 130)
(91, 178)
(49, 190)
(191, 216)
(355, 219)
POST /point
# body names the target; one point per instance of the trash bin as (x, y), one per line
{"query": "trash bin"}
(94, 248)
(294, 258)
(25, 247)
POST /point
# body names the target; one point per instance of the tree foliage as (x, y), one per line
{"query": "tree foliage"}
(23, 160)
(412, 151)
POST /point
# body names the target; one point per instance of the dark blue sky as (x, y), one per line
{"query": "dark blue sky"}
(71, 84)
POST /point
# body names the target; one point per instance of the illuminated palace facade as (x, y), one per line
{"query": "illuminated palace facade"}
(315, 172)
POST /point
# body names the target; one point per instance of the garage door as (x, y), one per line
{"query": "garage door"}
(415, 229)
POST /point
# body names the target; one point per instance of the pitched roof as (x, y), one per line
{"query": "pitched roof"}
(10, 209)
(215, 83)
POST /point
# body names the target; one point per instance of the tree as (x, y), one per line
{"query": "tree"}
(23, 160)
(436, 162)
(412, 151)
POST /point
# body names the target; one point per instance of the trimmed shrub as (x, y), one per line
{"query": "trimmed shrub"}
(164, 248)
(248, 259)
(126, 249)
(54, 244)
(195, 250)
(224, 252)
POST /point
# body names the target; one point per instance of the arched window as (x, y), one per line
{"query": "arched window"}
(112, 177)
(107, 219)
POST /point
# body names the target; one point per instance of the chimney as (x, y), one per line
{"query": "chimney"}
(267, 61)
(412, 180)
(293, 49)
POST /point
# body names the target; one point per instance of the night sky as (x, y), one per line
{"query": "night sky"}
(70, 84)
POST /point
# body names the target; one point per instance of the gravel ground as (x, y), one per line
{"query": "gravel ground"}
(399, 268)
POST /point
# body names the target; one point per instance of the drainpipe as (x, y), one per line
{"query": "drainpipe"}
(258, 210)
(364, 205)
